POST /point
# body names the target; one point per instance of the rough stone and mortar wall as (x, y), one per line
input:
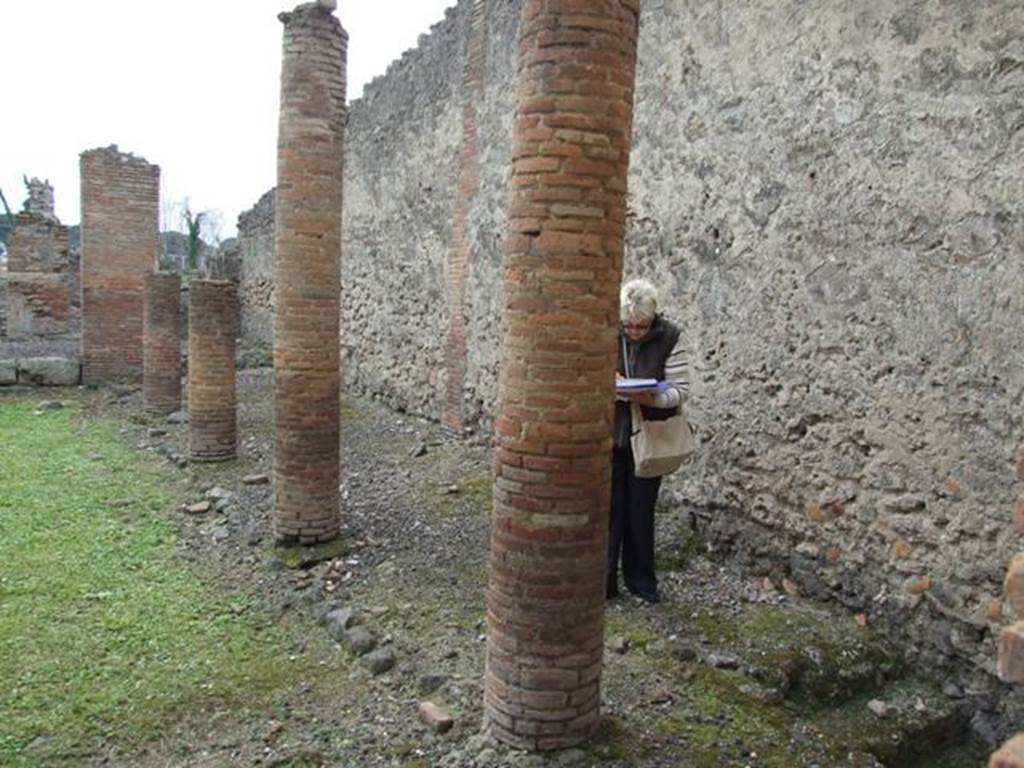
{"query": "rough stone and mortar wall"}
(829, 199)
(120, 245)
(43, 289)
(256, 254)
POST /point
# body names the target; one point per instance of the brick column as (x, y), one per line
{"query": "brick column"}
(307, 275)
(213, 424)
(460, 253)
(161, 350)
(563, 266)
(120, 244)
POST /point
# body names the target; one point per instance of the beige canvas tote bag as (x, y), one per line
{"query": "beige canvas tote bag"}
(660, 447)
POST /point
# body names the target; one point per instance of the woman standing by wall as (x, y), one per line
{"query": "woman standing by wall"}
(649, 347)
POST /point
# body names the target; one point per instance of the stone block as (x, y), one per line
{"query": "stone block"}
(49, 371)
(1011, 653)
(435, 717)
(1010, 755)
(8, 372)
(1014, 586)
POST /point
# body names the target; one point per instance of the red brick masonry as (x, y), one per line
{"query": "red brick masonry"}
(307, 277)
(120, 243)
(213, 423)
(161, 350)
(563, 267)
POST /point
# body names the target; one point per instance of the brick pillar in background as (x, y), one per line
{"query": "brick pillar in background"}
(563, 267)
(120, 244)
(460, 252)
(161, 350)
(307, 275)
(213, 422)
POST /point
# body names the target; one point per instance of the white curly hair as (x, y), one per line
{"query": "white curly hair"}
(638, 300)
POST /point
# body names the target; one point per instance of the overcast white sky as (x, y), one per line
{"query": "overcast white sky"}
(191, 85)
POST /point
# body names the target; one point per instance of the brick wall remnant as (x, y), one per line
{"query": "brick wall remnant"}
(120, 246)
(213, 420)
(847, 276)
(307, 263)
(161, 349)
(42, 292)
(460, 248)
(563, 265)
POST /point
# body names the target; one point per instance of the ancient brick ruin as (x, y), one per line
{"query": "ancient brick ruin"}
(563, 262)
(213, 419)
(848, 280)
(161, 349)
(42, 280)
(307, 275)
(460, 251)
(120, 244)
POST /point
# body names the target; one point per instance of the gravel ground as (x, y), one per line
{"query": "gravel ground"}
(412, 566)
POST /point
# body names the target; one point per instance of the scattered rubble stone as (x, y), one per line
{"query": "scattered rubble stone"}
(435, 717)
(198, 508)
(255, 480)
(360, 640)
(379, 661)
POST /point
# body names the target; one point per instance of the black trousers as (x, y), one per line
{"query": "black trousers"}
(631, 526)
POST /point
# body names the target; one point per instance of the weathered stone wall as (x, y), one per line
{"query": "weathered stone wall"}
(256, 268)
(829, 198)
(120, 245)
(42, 282)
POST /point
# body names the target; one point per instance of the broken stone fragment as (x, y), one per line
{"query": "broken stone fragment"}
(178, 417)
(1010, 755)
(1014, 586)
(1011, 653)
(379, 661)
(360, 641)
(435, 717)
(255, 480)
(217, 493)
(198, 508)
(339, 621)
(879, 708)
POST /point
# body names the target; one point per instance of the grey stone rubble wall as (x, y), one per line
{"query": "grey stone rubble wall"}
(400, 177)
(40, 371)
(829, 199)
(256, 267)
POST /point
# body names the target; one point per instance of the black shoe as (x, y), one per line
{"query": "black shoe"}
(647, 595)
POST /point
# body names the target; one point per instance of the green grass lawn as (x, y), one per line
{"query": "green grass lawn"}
(104, 634)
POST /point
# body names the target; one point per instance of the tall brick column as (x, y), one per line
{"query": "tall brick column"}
(120, 244)
(213, 422)
(563, 267)
(161, 350)
(307, 275)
